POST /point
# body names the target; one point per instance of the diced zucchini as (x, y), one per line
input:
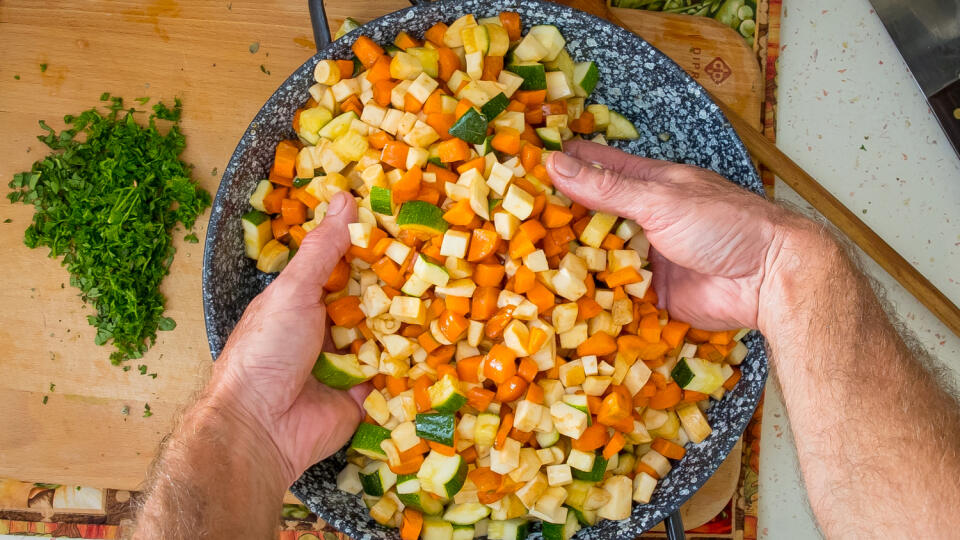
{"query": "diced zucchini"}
(437, 427)
(274, 256)
(436, 529)
(550, 38)
(621, 128)
(595, 474)
(698, 375)
(338, 126)
(558, 86)
(429, 271)
(466, 513)
(470, 127)
(485, 429)
(453, 37)
(348, 479)
(463, 532)
(442, 475)
(367, 440)
(349, 25)
(376, 478)
(563, 63)
(340, 371)
(565, 531)
(494, 107)
(529, 49)
(420, 216)
(534, 75)
(445, 395)
(510, 529)
(429, 59)
(550, 136)
(585, 77)
(257, 232)
(694, 422)
(264, 188)
(547, 439)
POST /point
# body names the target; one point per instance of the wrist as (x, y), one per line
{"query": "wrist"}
(801, 258)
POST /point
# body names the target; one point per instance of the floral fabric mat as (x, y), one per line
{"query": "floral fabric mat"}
(45, 510)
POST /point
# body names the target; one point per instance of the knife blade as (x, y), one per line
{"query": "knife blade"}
(927, 34)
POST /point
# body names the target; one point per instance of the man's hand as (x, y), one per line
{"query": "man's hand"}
(712, 242)
(264, 370)
(262, 419)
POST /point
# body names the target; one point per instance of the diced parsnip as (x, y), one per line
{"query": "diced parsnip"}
(511, 81)
(348, 479)
(558, 86)
(376, 406)
(408, 309)
(639, 435)
(516, 337)
(602, 322)
(654, 418)
(640, 244)
(465, 350)
(589, 364)
(457, 287)
(405, 436)
(455, 244)
(458, 268)
(606, 370)
(500, 177)
(345, 88)
(526, 311)
(622, 312)
(518, 202)
(420, 135)
(383, 324)
(595, 258)
(738, 354)
(360, 234)
(575, 336)
(568, 286)
(597, 229)
(485, 429)
(643, 486)
(582, 461)
(391, 120)
(536, 261)
(657, 462)
(382, 512)
(559, 475)
(620, 489)
(506, 459)
(564, 316)
(369, 353)
(572, 373)
(395, 367)
(415, 286)
(475, 333)
(527, 416)
(694, 422)
(622, 258)
(639, 290)
(342, 337)
(403, 407)
(397, 346)
(509, 120)
(568, 420)
(528, 467)
(546, 456)
(636, 377)
(533, 489)
(466, 426)
(596, 385)
(331, 161)
(552, 391)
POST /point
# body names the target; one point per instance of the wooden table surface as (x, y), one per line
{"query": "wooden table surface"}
(199, 51)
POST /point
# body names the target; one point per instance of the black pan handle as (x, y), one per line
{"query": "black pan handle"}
(674, 526)
(318, 19)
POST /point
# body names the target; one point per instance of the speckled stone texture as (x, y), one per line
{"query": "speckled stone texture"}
(636, 80)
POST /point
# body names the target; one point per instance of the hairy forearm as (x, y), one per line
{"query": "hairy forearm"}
(215, 478)
(877, 436)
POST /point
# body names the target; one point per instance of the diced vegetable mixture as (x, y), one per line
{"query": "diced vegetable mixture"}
(521, 368)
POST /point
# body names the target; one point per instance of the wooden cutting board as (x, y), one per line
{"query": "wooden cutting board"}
(203, 52)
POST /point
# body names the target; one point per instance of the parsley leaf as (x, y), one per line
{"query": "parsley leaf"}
(146, 410)
(192, 238)
(106, 200)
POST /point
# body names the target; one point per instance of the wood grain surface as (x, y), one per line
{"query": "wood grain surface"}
(199, 51)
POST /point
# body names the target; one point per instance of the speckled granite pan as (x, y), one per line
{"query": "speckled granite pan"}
(637, 80)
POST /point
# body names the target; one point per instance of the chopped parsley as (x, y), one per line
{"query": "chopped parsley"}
(45, 399)
(52, 387)
(43, 68)
(16, 77)
(264, 69)
(146, 410)
(192, 238)
(106, 200)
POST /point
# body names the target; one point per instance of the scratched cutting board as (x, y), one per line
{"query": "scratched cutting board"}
(203, 52)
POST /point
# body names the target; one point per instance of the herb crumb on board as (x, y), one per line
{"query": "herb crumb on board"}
(146, 410)
(115, 240)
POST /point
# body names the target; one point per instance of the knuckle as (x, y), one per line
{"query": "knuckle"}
(610, 183)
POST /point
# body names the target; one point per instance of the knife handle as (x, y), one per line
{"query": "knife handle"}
(946, 107)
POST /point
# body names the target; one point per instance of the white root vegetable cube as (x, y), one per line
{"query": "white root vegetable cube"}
(528, 467)
(455, 244)
(511, 80)
(391, 120)
(568, 420)
(345, 88)
(622, 312)
(552, 391)
(407, 121)
(397, 346)
(403, 407)
(639, 289)
(500, 177)
(420, 134)
(506, 224)
(546, 456)
(397, 252)
(527, 416)
(348, 479)
(564, 316)
(382, 512)
(374, 301)
(395, 367)
(422, 87)
(582, 461)
(694, 422)
(643, 486)
(595, 258)
(602, 322)
(475, 333)
(343, 336)
(640, 244)
(518, 202)
(408, 309)
(569, 286)
(637, 376)
(575, 336)
(559, 475)
(516, 337)
(596, 385)
(417, 157)
(738, 354)
(376, 406)
(620, 489)
(605, 369)
(572, 373)
(622, 258)
(589, 364)
(597, 229)
(536, 261)
(398, 94)
(369, 353)
(405, 436)
(574, 265)
(627, 229)
(656, 461)
(526, 311)
(597, 496)
(639, 435)
(604, 297)
(373, 115)
(458, 287)
(558, 87)
(533, 489)
(506, 459)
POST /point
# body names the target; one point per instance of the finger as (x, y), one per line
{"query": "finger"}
(609, 157)
(359, 394)
(597, 189)
(321, 249)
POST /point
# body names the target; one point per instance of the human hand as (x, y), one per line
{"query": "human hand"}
(264, 372)
(713, 244)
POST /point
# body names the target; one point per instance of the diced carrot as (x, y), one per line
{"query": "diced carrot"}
(611, 242)
(506, 141)
(352, 103)
(468, 369)
(614, 409)
(558, 106)
(394, 153)
(367, 51)
(338, 277)
(692, 396)
(379, 71)
(443, 174)
(379, 139)
(530, 97)
(346, 68)
(668, 449)
(457, 304)
(598, 344)
(732, 380)
(435, 33)
(667, 397)
(475, 163)
(434, 103)
(492, 65)
(408, 467)
(272, 202)
(307, 199)
(587, 308)
(411, 104)
(388, 271)
(533, 116)
(453, 150)
(460, 213)
(523, 279)
(614, 445)
(498, 322)
(480, 398)
(367, 254)
(488, 275)
(285, 159)
(382, 91)
(452, 325)
(520, 245)
(516, 106)
(623, 276)
(484, 303)
(499, 364)
(722, 337)
(420, 394)
(345, 311)
(649, 329)
(506, 424)
(379, 382)
(441, 123)
(395, 385)
(695, 335)
(592, 438)
(427, 341)
(411, 525)
(405, 41)
(441, 355)
(533, 230)
(511, 22)
(531, 136)
(541, 297)
(555, 216)
(469, 455)
(584, 124)
(535, 394)
(407, 187)
(527, 369)
(297, 234)
(530, 157)
(463, 106)
(448, 62)
(483, 242)
(293, 212)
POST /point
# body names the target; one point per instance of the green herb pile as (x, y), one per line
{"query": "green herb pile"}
(107, 199)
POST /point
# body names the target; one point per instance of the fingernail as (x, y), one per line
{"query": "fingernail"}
(566, 165)
(338, 203)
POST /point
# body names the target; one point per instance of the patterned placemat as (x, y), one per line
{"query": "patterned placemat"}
(48, 510)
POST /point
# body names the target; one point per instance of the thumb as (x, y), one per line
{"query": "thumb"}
(596, 188)
(322, 248)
